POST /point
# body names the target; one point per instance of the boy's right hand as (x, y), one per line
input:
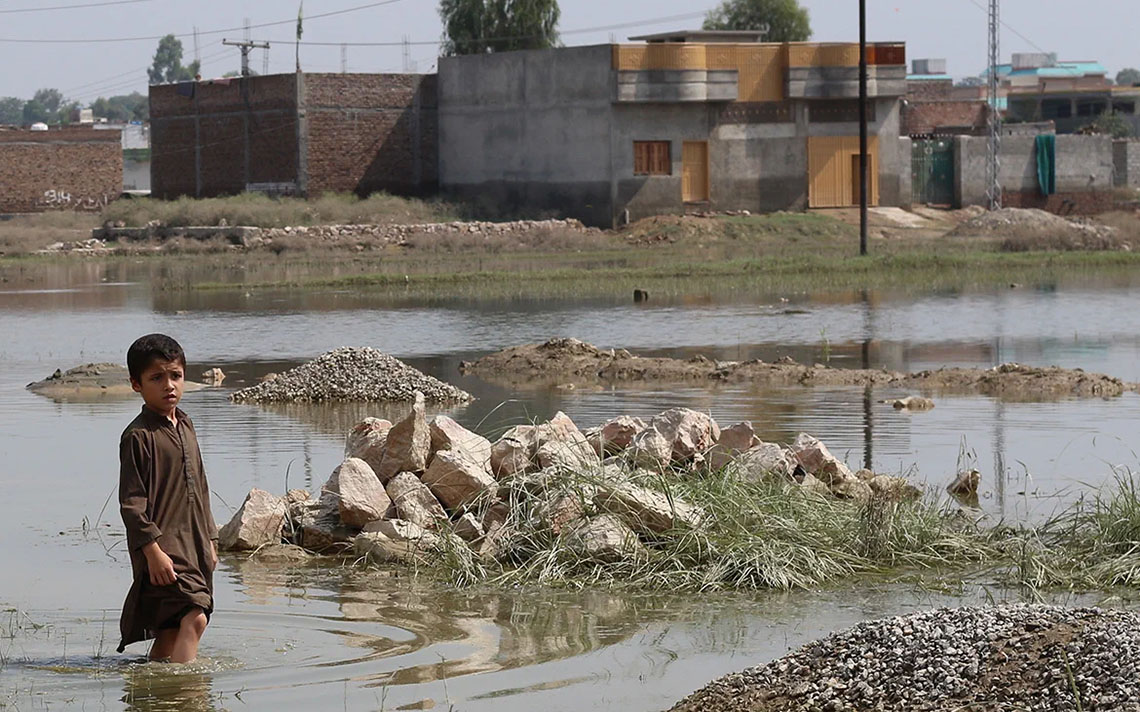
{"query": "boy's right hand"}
(159, 565)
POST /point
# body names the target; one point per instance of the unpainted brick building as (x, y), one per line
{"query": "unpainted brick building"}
(61, 169)
(289, 133)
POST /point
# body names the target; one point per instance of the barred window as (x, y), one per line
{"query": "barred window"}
(651, 158)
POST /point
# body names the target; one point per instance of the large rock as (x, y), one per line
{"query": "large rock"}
(559, 443)
(414, 502)
(761, 461)
(851, 488)
(734, 440)
(321, 530)
(605, 538)
(396, 540)
(514, 452)
(446, 434)
(691, 433)
(650, 449)
(814, 457)
(645, 510)
(257, 522)
(456, 479)
(409, 444)
(894, 488)
(366, 441)
(468, 527)
(615, 435)
(360, 496)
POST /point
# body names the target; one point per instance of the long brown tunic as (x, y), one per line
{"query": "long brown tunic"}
(164, 497)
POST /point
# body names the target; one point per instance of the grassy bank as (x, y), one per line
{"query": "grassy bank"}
(773, 535)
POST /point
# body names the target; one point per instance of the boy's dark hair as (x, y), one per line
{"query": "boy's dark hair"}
(147, 349)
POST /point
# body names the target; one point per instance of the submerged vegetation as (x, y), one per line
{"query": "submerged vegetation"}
(771, 534)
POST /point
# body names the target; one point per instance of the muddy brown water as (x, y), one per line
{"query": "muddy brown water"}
(300, 637)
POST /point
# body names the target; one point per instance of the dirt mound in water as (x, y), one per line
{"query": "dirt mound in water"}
(356, 374)
(1032, 229)
(561, 361)
(1030, 657)
(91, 381)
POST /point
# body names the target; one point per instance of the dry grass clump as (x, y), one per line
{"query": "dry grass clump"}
(1087, 237)
(27, 233)
(552, 239)
(257, 210)
(757, 535)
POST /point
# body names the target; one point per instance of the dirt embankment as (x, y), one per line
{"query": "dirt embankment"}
(576, 362)
(91, 381)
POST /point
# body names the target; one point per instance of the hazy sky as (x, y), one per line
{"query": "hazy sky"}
(1104, 30)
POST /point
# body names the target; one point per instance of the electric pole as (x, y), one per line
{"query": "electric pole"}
(993, 119)
(245, 46)
(863, 127)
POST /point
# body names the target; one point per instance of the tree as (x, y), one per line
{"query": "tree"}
(122, 108)
(35, 112)
(778, 20)
(1108, 124)
(11, 110)
(1128, 76)
(167, 66)
(481, 26)
(50, 99)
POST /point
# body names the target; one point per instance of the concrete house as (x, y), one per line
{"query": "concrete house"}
(682, 121)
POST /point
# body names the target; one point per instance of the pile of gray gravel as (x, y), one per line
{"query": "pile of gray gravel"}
(1020, 657)
(359, 374)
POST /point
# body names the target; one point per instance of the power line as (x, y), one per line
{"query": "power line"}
(151, 38)
(1009, 27)
(71, 7)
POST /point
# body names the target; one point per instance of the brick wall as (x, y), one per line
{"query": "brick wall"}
(214, 138)
(371, 132)
(61, 169)
(929, 90)
(927, 117)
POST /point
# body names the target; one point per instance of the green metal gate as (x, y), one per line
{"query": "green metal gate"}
(932, 171)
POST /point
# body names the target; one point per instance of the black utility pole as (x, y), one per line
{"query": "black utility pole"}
(863, 127)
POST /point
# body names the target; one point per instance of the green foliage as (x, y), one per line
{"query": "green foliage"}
(1128, 76)
(11, 110)
(122, 108)
(35, 112)
(779, 20)
(1110, 124)
(482, 26)
(167, 66)
(50, 99)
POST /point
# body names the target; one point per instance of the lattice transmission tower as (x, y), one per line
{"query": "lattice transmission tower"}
(993, 155)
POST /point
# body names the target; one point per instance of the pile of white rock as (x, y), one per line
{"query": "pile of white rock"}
(417, 489)
(399, 234)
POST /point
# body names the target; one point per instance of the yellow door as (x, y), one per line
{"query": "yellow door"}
(695, 171)
(833, 171)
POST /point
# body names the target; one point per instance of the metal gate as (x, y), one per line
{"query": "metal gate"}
(932, 171)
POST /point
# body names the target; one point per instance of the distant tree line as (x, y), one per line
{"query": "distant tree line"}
(50, 107)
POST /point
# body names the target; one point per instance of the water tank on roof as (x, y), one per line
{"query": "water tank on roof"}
(1032, 60)
(38, 126)
(928, 66)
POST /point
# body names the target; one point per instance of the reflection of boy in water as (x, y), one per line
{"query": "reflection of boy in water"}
(165, 503)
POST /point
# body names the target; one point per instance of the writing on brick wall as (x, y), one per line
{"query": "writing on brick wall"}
(63, 199)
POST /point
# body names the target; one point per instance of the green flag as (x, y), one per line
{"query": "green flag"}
(300, 13)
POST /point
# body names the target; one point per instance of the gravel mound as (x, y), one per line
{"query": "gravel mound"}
(1023, 657)
(359, 374)
(1033, 229)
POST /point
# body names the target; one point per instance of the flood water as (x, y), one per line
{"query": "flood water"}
(293, 637)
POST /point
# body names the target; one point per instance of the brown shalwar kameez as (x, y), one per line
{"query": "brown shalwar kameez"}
(164, 497)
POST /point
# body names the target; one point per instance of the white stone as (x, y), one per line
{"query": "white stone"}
(396, 540)
(615, 434)
(645, 510)
(257, 522)
(514, 452)
(456, 479)
(605, 538)
(733, 441)
(559, 443)
(691, 433)
(446, 434)
(366, 441)
(650, 449)
(409, 444)
(814, 457)
(414, 502)
(359, 495)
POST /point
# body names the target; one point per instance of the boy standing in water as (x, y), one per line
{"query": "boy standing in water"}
(165, 503)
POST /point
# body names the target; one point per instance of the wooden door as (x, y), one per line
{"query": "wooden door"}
(695, 171)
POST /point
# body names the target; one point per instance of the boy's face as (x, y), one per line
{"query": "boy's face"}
(161, 385)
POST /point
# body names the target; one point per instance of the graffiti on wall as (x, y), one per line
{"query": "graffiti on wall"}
(62, 199)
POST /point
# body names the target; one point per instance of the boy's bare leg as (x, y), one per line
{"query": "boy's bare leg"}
(163, 644)
(187, 636)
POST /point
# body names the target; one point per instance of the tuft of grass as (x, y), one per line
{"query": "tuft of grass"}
(255, 209)
(756, 535)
